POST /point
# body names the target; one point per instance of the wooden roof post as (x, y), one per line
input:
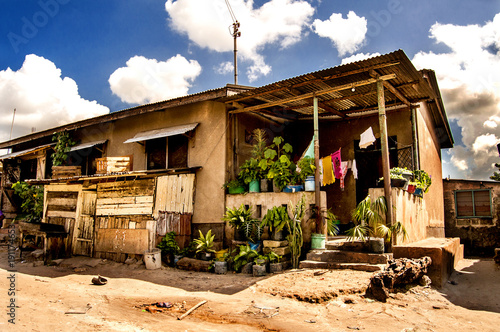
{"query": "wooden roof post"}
(382, 118)
(320, 226)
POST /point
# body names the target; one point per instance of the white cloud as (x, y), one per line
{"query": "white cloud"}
(359, 57)
(348, 35)
(469, 79)
(207, 24)
(41, 97)
(224, 68)
(149, 80)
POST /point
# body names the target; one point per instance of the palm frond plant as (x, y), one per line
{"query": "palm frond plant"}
(275, 219)
(332, 223)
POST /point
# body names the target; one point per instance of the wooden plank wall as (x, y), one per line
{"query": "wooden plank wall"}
(175, 193)
(61, 208)
(125, 198)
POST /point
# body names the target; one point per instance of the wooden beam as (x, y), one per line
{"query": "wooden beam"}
(317, 93)
(385, 150)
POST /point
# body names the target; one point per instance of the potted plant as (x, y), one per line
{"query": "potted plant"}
(412, 185)
(250, 174)
(371, 223)
(244, 256)
(275, 219)
(259, 269)
(423, 181)
(306, 168)
(204, 245)
(332, 222)
(259, 139)
(239, 218)
(278, 164)
(62, 147)
(222, 263)
(169, 248)
(234, 187)
(275, 266)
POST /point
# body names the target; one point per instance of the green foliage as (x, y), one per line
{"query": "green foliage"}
(244, 256)
(232, 184)
(275, 218)
(189, 250)
(369, 216)
(168, 244)
(240, 219)
(277, 162)
(331, 222)
(259, 138)
(62, 147)
(249, 171)
(32, 200)
(496, 175)
(295, 237)
(273, 257)
(307, 168)
(205, 242)
(423, 180)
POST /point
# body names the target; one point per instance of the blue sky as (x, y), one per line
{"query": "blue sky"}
(64, 60)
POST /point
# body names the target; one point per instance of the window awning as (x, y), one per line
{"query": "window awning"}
(87, 145)
(25, 152)
(164, 132)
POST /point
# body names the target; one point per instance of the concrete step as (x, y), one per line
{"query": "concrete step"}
(307, 264)
(343, 256)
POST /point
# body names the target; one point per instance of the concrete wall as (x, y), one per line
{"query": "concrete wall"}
(479, 235)
(207, 148)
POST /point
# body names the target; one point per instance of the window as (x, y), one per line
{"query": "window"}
(167, 152)
(473, 203)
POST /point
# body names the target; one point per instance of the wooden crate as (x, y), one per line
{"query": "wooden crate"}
(114, 164)
(60, 172)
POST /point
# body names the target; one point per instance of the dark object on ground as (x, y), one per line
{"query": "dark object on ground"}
(496, 258)
(191, 264)
(99, 280)
(399, 272)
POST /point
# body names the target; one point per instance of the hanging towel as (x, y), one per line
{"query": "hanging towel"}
(321, 171)
(328, 177)
(344, 167)
(367, 138)
(337, 161)
(354, 169)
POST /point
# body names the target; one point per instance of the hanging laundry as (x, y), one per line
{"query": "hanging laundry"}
(328, 177)
(337, 160)
(344, 167)
(321, 171)
(354, 169)
(367, 138)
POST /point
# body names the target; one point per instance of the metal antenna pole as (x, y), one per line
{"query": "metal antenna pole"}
(12, 125)
(235, 33)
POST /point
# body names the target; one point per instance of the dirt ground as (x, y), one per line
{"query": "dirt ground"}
(62, 298)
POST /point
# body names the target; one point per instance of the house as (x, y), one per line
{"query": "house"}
(472, 214)
(147, 168)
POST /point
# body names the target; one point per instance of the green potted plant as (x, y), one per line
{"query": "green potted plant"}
(244, 256)
(246, 228)
(305, 168)
(275, 219)
(169, 248)
(204, 245)
(368, 214)
(278, 164)
(259, 140)
(222, 264)
(332, 222)
(234, 187)
(250, 174)
(275, 266)
(259, 269)
(423, 181)
(62, 147)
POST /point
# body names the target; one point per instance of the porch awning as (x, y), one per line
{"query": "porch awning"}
(87, 145)
(25, 152)
(163, 132)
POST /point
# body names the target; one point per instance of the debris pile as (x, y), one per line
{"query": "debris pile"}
(399, 272)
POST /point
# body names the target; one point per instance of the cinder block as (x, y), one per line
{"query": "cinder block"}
(275, 244)
(278, 251)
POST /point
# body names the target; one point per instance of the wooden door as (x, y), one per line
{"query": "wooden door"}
(83, 235)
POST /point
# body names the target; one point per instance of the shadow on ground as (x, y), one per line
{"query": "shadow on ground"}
(476, 286)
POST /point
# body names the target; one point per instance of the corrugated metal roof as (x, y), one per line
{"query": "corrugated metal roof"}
(25, 152)
(162, 132)
(87, 145)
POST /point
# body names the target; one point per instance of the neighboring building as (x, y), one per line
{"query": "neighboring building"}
(472, 213)
(206, 136)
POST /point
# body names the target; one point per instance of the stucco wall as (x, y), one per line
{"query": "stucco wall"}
(479, 235)
(430, 161)
(207, 148)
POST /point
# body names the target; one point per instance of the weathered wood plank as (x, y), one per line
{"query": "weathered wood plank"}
(125, 211)
(62, 214)
(126, 188)
(62, 201)
(174, 193)
(129, 241)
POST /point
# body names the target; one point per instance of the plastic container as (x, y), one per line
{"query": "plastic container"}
(309, 183)
(254, 186)
(219, 254)
(318, 241)
(152, 259)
